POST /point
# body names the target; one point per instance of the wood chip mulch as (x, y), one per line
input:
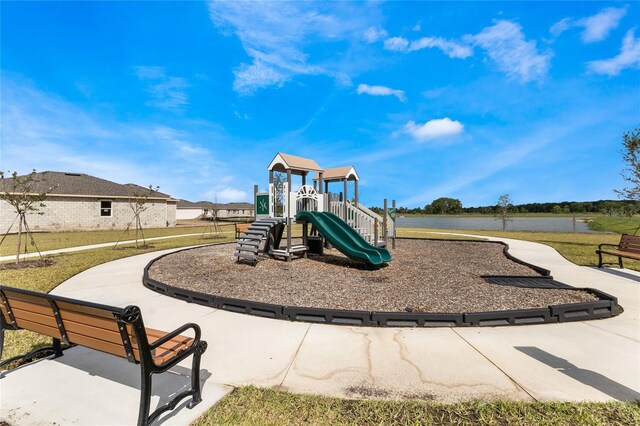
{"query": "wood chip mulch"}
(424, 276)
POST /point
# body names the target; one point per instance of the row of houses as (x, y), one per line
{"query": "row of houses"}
(208, 210)
(76, 201)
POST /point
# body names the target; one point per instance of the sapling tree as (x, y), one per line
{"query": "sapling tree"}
(504, 208)
(26, 196)
(279, 179)
(631, 156)
(138, 204)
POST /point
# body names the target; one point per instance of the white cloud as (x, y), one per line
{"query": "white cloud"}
(595, 28)
(226, 195)
(452, 49)
(275, 34)
(561, 26)
(505, 44)
(434, 129)
(398, 44)
(167, 92)
(372, 34)
(381, 91)
(629, 57)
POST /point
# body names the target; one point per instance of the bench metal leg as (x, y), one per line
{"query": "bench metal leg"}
(599, 260)
(1, 334)
(620, 262)
(144, 418)
(57, 348)
(195, 375)
(145, 397)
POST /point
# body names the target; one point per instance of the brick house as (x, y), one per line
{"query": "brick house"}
(206, 209)
(82, 202)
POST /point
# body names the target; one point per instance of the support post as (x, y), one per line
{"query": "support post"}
(346, 218)
(355, 193)
(255, 202)
(384, 221)
(395, 212)
(375, 233)
(272, 197)
(286, 200)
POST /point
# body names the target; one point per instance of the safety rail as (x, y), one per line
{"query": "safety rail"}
(366, 222)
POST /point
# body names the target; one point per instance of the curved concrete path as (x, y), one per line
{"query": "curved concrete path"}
(594, 360)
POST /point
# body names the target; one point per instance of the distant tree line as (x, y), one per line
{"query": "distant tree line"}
(446, 205)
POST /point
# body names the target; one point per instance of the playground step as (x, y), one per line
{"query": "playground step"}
(246, 256)
(254, 232)
(248, 243)
(260, 227)
(249, 249)
(250, 237)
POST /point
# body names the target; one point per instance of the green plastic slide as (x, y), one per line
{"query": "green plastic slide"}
(345, 238)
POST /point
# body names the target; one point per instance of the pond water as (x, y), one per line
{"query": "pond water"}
(552, 224)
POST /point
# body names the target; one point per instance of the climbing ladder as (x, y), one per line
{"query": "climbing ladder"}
(249, 242)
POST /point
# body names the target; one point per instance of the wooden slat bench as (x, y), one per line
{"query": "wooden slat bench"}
(241, 228)
(628, 247)
(116, 331)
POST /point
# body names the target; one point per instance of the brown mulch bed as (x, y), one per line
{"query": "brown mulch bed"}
(424, 276)
(40, 263)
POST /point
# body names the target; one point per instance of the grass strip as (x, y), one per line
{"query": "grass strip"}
(57, 240)
(255, 406)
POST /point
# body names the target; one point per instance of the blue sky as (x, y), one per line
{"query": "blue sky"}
(469, 100)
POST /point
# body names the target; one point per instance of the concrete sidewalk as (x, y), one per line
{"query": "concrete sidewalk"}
(594, 360)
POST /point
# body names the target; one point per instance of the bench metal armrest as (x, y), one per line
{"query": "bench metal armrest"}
(177, 332)
(607, 244)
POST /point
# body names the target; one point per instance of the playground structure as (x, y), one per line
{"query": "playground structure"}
(353, 229)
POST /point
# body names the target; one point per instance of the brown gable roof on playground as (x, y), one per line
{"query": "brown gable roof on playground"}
(61, 183)
(300, 163)
(337, 173)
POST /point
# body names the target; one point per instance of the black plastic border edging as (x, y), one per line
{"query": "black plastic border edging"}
(605, 307)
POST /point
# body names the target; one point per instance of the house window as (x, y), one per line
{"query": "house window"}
(105, 208)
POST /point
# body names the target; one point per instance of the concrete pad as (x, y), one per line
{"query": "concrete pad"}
(566, 362)
(247, 350)
(87, 387)
(434, 364)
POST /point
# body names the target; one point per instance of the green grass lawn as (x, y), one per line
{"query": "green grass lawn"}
(254, 406)
(618, 224)
(56, 240)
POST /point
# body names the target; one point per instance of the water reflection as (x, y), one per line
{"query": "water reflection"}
(553, 224)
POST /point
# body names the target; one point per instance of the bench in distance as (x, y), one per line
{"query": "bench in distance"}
(628, 247)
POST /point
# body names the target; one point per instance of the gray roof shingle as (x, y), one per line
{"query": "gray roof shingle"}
(62, 183)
